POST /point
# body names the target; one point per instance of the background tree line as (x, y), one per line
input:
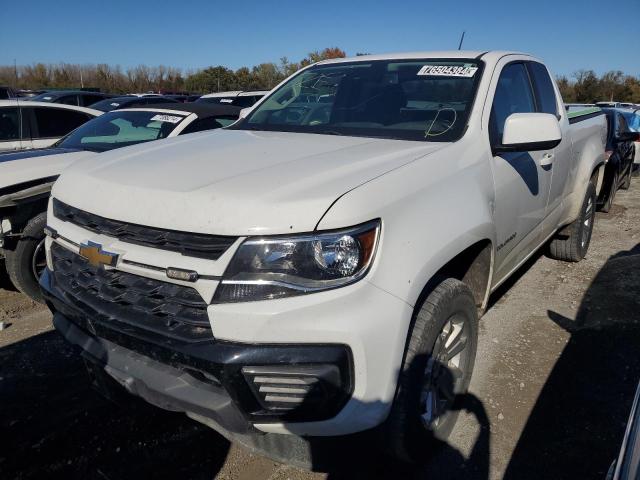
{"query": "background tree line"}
(143, 78)
(584, 86)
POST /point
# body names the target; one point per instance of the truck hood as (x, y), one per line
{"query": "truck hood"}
(232, 182)
(36, 164)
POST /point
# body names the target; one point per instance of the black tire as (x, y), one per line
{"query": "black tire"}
(611, 194)
(572, 242)
(20, 261)
(409, 435)
(627, 179)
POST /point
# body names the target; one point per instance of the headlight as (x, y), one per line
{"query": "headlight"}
(275, 267)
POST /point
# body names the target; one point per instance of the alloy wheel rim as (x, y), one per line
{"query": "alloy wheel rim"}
(38, 260)
(444, 371)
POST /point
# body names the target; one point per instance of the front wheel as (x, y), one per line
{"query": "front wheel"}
(27, 261)
(572, 242)
(437, 368)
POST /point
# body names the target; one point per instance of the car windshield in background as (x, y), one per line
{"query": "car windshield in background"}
(109, 104)
(44, 97)
(120, 129)
(633, 120)
(426, 100)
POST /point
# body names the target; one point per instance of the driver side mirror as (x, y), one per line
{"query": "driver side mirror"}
(244, 112)
(628, 137)
(529, 132)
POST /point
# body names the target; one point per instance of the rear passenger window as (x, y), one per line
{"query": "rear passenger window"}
(513, 95)
(87, 100)
(9, 124)
(56, 122)
(545, 94)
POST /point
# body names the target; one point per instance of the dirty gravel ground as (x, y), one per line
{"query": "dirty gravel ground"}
(555, 373)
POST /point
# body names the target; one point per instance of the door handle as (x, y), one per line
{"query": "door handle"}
(546, 160)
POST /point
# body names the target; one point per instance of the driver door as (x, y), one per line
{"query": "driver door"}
(522, 179)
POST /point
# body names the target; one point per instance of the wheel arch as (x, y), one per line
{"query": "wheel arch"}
(473, 266)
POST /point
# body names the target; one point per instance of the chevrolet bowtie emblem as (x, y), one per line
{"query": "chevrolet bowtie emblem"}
(96, 256)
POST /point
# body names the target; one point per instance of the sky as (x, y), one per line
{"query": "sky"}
(567, 34)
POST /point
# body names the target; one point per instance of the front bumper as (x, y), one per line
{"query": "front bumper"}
(211, 381)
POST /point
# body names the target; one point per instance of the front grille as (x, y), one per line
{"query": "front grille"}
(198, 245)
(111, 295)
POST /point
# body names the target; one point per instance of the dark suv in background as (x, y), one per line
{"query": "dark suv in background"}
(67, 97)
(619, 152)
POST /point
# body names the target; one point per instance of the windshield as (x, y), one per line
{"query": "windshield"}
(120, 129)
(401, 99)
(633, 120)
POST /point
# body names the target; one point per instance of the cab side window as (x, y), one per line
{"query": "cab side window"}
(543, 86)
(513, 95)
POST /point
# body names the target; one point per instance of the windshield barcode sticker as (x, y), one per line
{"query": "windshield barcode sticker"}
(467, 71)
(166, 118)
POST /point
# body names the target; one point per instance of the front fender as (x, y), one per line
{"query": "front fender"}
(431, 210)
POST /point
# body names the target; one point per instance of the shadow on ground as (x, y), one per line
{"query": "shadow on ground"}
(55, 426)
(578, 421)
(5, 282)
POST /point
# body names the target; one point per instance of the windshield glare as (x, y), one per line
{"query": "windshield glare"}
(120, 129)
(410, 100)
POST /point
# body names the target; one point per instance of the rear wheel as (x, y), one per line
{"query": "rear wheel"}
(572, 242)
(627, 179)
(27, 261)
(437, 367)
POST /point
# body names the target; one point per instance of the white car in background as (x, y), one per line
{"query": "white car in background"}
(26, 177)
(236, 98)
(26, 124)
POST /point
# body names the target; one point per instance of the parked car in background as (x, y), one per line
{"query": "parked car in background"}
(26, 177)
(130, 101)
(184, 98)
(608, 104)
(317, 268)
(68, 97)
(237, 98)
(619, 154)
(22, 93)
(25, 124)
(627, 465)
(6, 93)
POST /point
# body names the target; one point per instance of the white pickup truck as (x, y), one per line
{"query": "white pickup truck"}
(318, 268)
